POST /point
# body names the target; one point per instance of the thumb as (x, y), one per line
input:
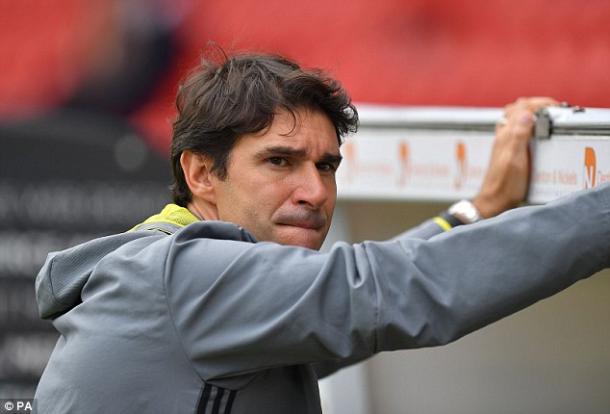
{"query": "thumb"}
(523, 125)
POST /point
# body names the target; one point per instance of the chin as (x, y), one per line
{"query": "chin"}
(311, 239)
(308, 243)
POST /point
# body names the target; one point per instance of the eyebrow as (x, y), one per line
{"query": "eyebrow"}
(297, 153)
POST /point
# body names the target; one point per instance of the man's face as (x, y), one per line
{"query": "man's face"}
(280, 184)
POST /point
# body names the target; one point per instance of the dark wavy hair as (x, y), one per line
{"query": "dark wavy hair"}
(221, 101)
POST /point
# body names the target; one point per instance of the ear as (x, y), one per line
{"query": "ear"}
(197, 170)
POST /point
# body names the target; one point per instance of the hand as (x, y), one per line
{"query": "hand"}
(506, 181)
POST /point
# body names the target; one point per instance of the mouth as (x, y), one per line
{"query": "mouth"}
(301, 228)
(309, 225)
(309, 222)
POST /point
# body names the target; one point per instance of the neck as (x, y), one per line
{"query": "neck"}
(203, 212)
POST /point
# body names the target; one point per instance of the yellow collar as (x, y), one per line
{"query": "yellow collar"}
(172, 214)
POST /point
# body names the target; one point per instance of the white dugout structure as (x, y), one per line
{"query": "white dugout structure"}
(405, 165)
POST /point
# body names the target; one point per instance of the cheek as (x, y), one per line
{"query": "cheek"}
(275, 194)
(332, 198)
(330, 209)
(259, 204)
(233, 204)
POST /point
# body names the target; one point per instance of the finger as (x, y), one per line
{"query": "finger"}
(516, 129)
(521, 126)
(534, 104)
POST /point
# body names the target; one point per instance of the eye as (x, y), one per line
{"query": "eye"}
(327, 167)
(278, 161)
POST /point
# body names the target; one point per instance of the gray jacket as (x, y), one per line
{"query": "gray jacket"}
(207, 321)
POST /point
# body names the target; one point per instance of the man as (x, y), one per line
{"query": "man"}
(222, 303)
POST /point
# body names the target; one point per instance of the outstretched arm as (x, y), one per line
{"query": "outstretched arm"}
(504, 187)
(507, 178)
(242, 307)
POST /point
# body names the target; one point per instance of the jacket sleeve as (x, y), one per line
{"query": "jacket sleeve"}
(241, 307)
(425, 230)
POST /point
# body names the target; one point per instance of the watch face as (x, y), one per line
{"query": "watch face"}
(465, 211)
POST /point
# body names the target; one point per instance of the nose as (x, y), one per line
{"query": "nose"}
(312, 190)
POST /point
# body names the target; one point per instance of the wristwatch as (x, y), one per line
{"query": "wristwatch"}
(465, 211)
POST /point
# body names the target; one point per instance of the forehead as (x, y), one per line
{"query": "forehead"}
(311, 131)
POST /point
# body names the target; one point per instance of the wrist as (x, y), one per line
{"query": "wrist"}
(465, 212)
(485, 208)
(462, 212)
